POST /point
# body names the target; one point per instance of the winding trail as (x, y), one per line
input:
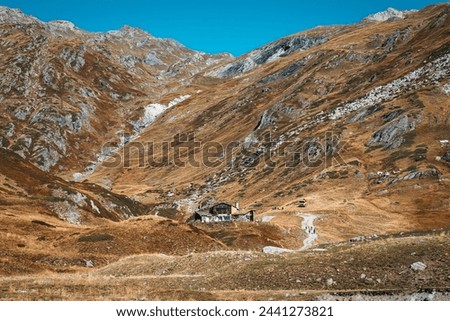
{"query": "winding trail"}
(310, 230)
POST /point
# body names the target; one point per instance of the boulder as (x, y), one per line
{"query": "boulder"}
(446, 156)
(418, 266)
(275, 250)
(89, 263)
(330, 282)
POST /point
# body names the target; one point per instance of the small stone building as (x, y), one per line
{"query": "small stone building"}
(223, 212)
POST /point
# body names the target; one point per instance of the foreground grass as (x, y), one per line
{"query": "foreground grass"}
(380, 267)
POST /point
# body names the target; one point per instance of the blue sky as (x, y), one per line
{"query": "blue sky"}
(235, 26)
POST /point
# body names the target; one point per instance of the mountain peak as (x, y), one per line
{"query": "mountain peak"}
(14, 16)
(389, 14)
(130, 32)
(62, 25)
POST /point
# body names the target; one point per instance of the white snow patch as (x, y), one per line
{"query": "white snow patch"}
(178, 100)
(151, 113)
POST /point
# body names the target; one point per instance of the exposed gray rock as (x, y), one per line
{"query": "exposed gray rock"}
(152, 59)
(250, 140)
(285, 47)
(358, 239)
(446, 89)
(433, 71)
(446, 156)
(62, 27)
(338, 60)
(404, 296)
(361, 116)
(58, 119)
(391, 41)
(22, 112)
(15, 16)
(267, 119)
(389, 15)
(391, 115)
(420, 174)
(10, 130)
(69, 205)
(391, 136)
(51, 77)
(284, 73)
(45, 157)
(330, 282)
(268, 53)
(235, 68)
(89, 263)
(74, 58)
(312, 150)
(129, 61)
(273, 114)
(267, 218)
(364, 59)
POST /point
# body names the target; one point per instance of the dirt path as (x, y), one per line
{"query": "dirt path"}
(310, 230)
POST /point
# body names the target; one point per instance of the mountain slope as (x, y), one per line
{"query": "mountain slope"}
(99, 128)
(66, 93)
(353, 123)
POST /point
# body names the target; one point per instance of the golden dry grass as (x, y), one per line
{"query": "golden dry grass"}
(236, 275)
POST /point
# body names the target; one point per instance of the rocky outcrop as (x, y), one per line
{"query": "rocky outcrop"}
(433, 71)
(361, 116)
(288, 71)
(271, 52)
(389, 14)
(422, 174)
(446, 156)
(391, 136)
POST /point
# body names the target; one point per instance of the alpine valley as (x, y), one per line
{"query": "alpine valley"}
(336, 138)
